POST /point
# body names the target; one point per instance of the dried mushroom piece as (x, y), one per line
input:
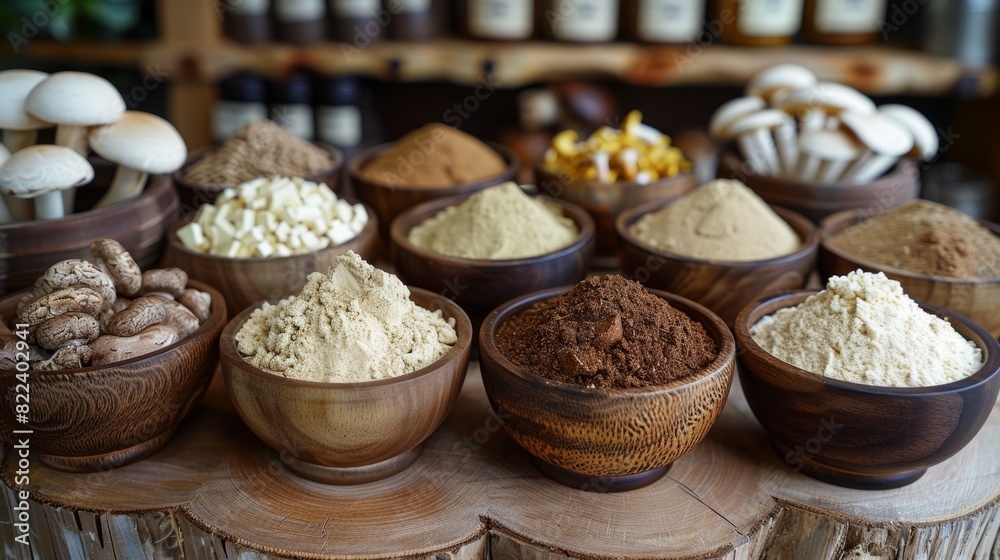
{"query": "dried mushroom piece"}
(172, 281)
(67, 274)
(199, 302)
(141, 314)
(67, 329)
(67, 300)
(117, 263)
(10, 356)
(109, 349)
(68, 357)
(178, 317)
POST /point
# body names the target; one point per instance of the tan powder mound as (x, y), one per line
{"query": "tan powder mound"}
(434, 156)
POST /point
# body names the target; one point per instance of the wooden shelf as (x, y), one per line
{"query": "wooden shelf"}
(119, 54)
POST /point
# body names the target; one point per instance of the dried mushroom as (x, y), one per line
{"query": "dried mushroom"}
(141, 314)
(117, 263)
(72, 328)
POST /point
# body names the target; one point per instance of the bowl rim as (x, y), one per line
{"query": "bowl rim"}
(174, 244)
(336, 157)
(354, 166)
(216, 317)
(725, 350)
(230, 354)
(990, 348)
(907, 164)
(849, 217)
(584, 222)
(809, 243)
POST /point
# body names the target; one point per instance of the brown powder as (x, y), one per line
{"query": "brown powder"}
(609, 333)
(927, 238)
(434, 156)
(263, 149)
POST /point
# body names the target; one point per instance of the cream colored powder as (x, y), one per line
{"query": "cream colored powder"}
(720, 220)
(356, 323)
(498, 223)
(864, 329)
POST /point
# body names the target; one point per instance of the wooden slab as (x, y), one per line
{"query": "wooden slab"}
(216, 492)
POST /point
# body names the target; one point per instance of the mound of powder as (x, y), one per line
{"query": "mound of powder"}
(262, 149)
(356, 323)
(862, 328)
(434, 156)
(927, 238)
(720, 220)
(501, 222)
(606, 332)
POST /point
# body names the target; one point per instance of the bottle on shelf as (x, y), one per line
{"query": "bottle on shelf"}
(842, 22)
(340, 117)
(581, 21)
(759, 23)
(663, 21)
(246, 21)
(242, 101)
(415, 20)
(358, 22)
(290, 104)
(499, 20)
(300, 22)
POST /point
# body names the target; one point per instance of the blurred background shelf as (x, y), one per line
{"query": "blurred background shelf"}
(89, 52)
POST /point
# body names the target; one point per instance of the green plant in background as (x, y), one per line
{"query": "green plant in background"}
(65, 20)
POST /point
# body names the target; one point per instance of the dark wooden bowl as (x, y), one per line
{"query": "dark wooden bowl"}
(725, 287)
(977, 298)
(192, 195)
(604, 202)
(390, 201)
(480, 285)
(862, 436)
(100, 417)
(28, 249)
(606, 439)
(349, 433)
(246, 281)
(818, 200)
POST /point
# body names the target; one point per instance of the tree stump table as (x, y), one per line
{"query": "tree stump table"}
(217, 492)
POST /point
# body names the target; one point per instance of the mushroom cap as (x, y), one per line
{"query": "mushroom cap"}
(76, 99)
(829, 96)
(141, 314)
(880, 133)
(4, 154)
(140, 141)
(74, 299)
(118, 264)
(925, 137)
(833, 145)
(778, 77)
(16, 85)
(41, 169)
(68, 328)
(765, 118)
(729, 112)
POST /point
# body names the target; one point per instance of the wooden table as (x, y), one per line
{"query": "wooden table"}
(217, 492)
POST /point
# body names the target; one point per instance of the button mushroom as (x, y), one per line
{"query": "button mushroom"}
(925, 137)
(75, 101)
(885, 139)
(20, 128)
(43, 172)
(67, 329)
(140, 143)
(119, 265)
(778, 80)
(827, 153)
(815, 104)
(753, 134)
(109, 349)
(730, 112)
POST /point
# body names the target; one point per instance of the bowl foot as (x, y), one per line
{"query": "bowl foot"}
(106, 461)
(355, 475)
(599, 484)
(848, 479)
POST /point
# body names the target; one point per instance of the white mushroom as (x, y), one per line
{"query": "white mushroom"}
(754, 136)
(778, 80)
(886, 140)
(826, 154)
(75, 101)
(814, 104)
(42, 172)
(20, 128)
(5, 215)
(925, 137)
(730, 112)
(140, 143)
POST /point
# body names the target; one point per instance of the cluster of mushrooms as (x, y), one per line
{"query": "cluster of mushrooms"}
(82, 313)
(791, 125)
(88, 113)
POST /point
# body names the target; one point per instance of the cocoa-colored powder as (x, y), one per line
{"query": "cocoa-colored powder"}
(609, 333)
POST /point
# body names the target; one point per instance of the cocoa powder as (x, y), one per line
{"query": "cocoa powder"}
(609, 333)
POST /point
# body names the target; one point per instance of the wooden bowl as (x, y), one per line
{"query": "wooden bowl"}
(192, 195)
(604, 202)
(862, 436)
(818, 200)
(481, 285)
(349, 433)
(606, 440)
(725, 287)
(390, 201)
(100, 417)
(246, 281)
(28, 249)
(976, 298)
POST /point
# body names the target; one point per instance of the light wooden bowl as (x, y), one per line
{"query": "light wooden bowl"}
(606, 440)
(244, 282)
(977, 299)
(390, 201)
(349, 433)
(862, 436)
(99, 417)
(818, 200)
(725, 287)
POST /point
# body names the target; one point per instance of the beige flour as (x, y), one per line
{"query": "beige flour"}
(356, 323)
(864, 329)
(501, 222)
(720, 220)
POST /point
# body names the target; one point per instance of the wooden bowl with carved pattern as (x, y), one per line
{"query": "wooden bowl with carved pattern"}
(100, 417)
(725, 287)
(606, 440)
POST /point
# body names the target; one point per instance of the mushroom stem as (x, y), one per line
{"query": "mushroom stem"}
(830, 171)
(813, 119)
(17, 139)
(872, 168)
(854, 166)
(74, 137)
(752, 152)
(49, 206)
(787, 141)
(765, 140)
(126, 184)
(808, 166)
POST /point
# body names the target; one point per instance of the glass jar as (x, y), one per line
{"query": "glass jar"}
(582, 21)
(300, 22)
(499, 20)
(290, 105)
(759, 22)
(842, 22)
(359, 22)
(415, 20)
(339, 115)
(242, 101)
(247, 21)
(663, 21)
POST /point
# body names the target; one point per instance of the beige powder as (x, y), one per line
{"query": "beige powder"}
(501, 222)
(356, 323)
(720, 220)
(864, 329)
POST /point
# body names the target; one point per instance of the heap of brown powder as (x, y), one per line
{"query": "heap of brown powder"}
(262, 149)
(434, 156)
(927, 238)
(609, 333)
